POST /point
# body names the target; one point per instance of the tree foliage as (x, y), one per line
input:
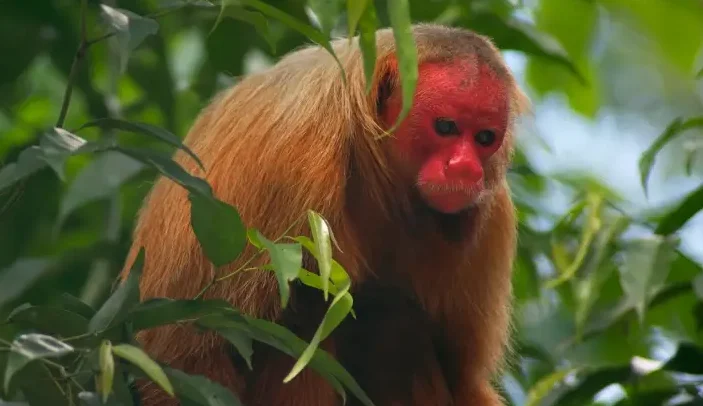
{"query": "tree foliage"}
(96, 95)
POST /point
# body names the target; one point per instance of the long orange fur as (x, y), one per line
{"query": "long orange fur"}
(279, 143)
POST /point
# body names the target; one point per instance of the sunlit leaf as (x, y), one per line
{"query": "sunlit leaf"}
(646, 265)
(543, 388)
(130, 31)
(286, 260)
(321, 237)
(57, 145)
(218, 227)
(121, 301)
(29, 347)
(338, 310)
(144, 129)
(406, 51)
(139, 358)
(674, 129)
(200, 390)
(592, 381)
(355, 10)
(327, 12)
(21, 276)
(100, 179)
(107, 369)
(677, 218)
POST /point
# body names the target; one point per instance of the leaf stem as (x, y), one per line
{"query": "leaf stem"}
(75, 65)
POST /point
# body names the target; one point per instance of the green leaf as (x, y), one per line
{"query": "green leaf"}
(257, 20)
(139, 358)
(100, 179)
(50, 320)
(238, 337)
(145, 129)
(399, 15)
(321, 236)
(107, 369)
(674, 220)
(130, 30)
(201, 390)
(688, 359)
(543, 388)
(368, 24)
(121, 301)
(93, 399)
(592, 381)
(698, 286)
(161, 311)
(675, 128)
(355, 11)
(170, 169)
(644, 271)
(327, 12)
(338, 310)
(72, 304)
(699, 75)
(29, 347)
(29, 161)
(19, 277)
(286, 260)
(218, 227)
(57, 145)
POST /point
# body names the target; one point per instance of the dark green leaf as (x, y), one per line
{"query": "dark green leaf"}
(595, 380)
(72, 304)
(237, 336)
(171, 169)
(121, 301)
(218, 227)
(93, 399)
(286, 260)
(130, 30)
(21, 276)
(161, 311)
(673, 221)
(30, 347)
(645, 269)
(139, 358)
(28, 162)
(50, 320)
(100, 179)
(698, 286)
(258, 20)
(399, 14)
(145, 129)
(107, 369)
(675, 128)
(201, 390)
(688, 359)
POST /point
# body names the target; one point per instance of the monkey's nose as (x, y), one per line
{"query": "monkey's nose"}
(463, 168)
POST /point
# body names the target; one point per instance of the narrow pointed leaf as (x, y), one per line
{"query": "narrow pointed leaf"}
(107, 369)
(406, 51)
(139, 358)
(677, 218)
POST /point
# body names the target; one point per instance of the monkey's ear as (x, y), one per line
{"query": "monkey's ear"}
(387, 75)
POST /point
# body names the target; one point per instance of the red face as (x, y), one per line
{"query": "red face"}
(458, 121)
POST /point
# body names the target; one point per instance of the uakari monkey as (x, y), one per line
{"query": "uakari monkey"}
(423, 217)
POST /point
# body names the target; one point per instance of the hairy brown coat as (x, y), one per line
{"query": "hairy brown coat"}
(294, 138)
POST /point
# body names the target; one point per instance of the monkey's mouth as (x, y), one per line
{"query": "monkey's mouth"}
(451, 198)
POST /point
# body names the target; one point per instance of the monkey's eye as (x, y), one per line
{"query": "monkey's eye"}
(485, 137)
(445, 127)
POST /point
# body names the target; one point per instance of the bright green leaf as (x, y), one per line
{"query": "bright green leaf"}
(218, 227)
(399, 14)
(355, 11)
(674, 220)
(368, 25)
(107, 369)
(286, 260)
(675, 128)
(121, 301)
(139, 358)
(321, 236)
(130, 31)
(543, 388)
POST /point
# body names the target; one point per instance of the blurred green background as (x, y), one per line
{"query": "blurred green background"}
(608, 285)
